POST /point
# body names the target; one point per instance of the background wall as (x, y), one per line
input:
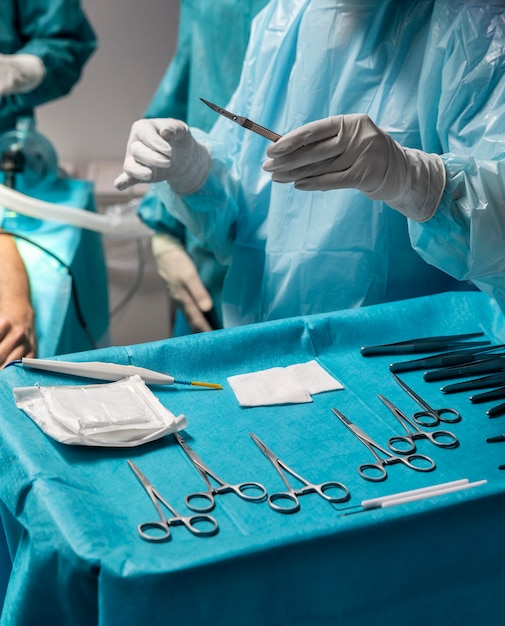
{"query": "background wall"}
(136, 40)
(89, 129)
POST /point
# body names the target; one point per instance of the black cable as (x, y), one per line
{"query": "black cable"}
(74, 294)
(136, 283)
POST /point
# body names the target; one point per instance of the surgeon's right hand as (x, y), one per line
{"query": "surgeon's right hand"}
(179, 272)
(164, 150)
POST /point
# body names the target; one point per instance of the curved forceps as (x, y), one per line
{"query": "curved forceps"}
(200, 525)
(206, 473)
(418, 462)
(440, 438)
(287, 501)
(429, 416)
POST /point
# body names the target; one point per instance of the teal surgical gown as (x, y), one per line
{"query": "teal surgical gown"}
(291, 252)
(211, 44)
(57, 32)
(66, 270)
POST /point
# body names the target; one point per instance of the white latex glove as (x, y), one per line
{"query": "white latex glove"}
(164, 149)
(350, 151)
(20, 73)
(178, 271)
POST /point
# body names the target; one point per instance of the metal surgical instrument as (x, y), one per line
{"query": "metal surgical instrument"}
(488, 364)
(158, 531)
(426, 344)
(494, 394)
(376, 472)
(397, 443)
(244, 122)
(206, 473)
(484, 382)
(443, 359)
(287, 501)
(429, 416)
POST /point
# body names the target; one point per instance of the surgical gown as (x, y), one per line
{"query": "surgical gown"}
(466, 123)
(57, 32)
(292, 252)
(211, 44)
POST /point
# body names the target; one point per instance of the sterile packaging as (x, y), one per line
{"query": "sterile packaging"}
(125, 413)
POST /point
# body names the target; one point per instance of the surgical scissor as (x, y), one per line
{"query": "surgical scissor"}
(376, 472)
(244, 122)
(157, 531)
(405, 444)
(206, 473)
(429, 416)
(287, 501)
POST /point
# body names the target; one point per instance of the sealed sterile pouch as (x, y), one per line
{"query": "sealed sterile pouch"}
(125, 413)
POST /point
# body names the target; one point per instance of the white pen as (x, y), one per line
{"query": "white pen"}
(108, 371)
(414, 494)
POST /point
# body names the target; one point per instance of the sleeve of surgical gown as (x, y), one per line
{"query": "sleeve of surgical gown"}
(462, 113)
(236, 178)
(211, 213)
(58, 32)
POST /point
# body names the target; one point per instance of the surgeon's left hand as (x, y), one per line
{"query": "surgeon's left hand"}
(20, 73)
(350, 151)
(164, 150)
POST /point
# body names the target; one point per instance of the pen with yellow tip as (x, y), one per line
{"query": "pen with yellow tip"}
(108, 371)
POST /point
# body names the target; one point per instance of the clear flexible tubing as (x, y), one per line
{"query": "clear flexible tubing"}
(107, 224)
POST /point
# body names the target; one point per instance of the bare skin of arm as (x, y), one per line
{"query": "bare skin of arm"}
(17, 333)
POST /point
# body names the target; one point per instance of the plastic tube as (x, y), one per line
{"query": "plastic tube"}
(110, 224)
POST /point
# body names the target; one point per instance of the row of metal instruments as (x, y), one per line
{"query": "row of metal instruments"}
(456, 357)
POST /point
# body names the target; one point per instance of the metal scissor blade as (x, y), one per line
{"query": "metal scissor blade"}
(360, 434)
(244, 122)
(142, 479)
(268, 453)
(199, 465)
(394, 409)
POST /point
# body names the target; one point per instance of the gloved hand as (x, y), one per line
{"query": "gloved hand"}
(178, 271)
(20, 73)
(350, 151)
(164, 149)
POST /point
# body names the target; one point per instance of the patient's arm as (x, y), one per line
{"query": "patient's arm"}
(17, 334)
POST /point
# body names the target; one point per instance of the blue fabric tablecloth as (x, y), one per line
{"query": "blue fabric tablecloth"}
(70, 514)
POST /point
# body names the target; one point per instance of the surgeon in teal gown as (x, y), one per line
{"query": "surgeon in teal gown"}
(44, 45)
(387, 109)
(211, 44)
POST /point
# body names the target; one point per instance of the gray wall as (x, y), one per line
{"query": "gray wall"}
(136, 41)
(89, 129)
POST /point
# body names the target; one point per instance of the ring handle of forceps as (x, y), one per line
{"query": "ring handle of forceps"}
(191, 522)
(440, 438)
(406, 460)
(240, 490)
(292, 503)
(434, 417)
